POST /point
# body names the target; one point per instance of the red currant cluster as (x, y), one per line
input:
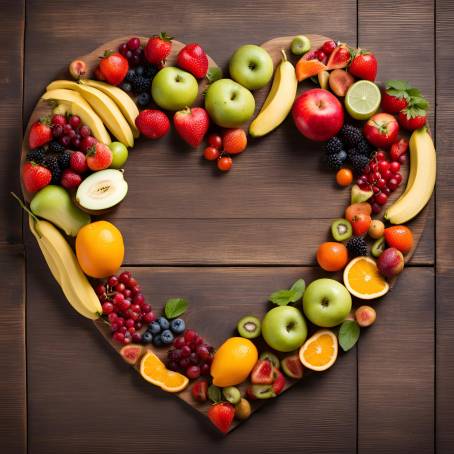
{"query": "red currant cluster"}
(190, 355)
(124, 305)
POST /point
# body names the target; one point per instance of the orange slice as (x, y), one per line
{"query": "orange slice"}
(308, 68)
(174, 382)
(319, 352)
(363, 280)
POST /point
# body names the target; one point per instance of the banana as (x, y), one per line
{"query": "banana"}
(279, 101)
(78, 106)
(122, 100)
(421, 179)
(107, 110)
(66, 270)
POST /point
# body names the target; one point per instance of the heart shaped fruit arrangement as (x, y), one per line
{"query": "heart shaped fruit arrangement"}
(71, 170)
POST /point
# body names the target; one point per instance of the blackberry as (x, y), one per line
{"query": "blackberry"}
(51, 162)
(358, 162)
(64, 159)
(350, 135)
(126, 86)
(352, 152)
(37, 155)
(55, 147)
(130, 75)
(141, 84)
(364, 148)
(334, 145)
(139, 70)
(149, 71)
(334, 161)
(357, 246)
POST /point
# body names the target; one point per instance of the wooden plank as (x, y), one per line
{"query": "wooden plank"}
(444, 234)
(218, 297)
(11, 66)
(13, 419)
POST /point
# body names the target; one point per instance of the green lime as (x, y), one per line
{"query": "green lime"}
(362, 99)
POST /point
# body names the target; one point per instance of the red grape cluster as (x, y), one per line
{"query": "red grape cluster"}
(132, 51)
(382, 177)
(125, 307)
(190, 355)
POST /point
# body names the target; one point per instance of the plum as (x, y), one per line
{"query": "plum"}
(390, 262)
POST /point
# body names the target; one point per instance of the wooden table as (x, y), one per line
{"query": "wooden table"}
(223, 241)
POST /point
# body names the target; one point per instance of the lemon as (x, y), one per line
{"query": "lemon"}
(362, 99)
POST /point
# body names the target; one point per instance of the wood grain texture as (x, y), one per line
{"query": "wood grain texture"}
(444, 232)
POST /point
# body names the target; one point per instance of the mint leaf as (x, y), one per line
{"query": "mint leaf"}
(298, 288)
(175, 307)
(214, 393)
(348, 334)
(282, 297)
(214, 74)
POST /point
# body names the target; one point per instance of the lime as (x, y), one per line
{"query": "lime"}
(362, 99)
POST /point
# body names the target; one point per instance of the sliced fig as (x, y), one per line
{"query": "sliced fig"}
(279, 382)
(262, 373)
(131, 353)
(292, 367)
(339, 58)
(340, 81)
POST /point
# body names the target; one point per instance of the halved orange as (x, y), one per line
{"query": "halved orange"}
(363, 280)
(308, 68)
(319, 352)
(154, 371)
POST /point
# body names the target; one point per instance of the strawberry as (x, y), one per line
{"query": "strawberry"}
(398, 150)
(158, 48)
(364, 65)
(35, 176)
(113, 67)
(221, 415)
(234, 141)
(70, 179)
(99, 157)
(414, 116)
(192, 125)
(193, 59)
(199, 391)
(153, 123)
(279, 381)
(339, 58)
(40, 133)
(396, 95)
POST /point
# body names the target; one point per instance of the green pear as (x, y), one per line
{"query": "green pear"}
(54, 204)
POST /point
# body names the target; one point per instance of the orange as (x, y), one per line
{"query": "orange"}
(344, 177)
(233, 361)
(308, 68)
(332, 256)
(319, 352)
(400, 237)
(363, 280)
(234, 141)
(357, 208)
(99, 249)
(153, 370)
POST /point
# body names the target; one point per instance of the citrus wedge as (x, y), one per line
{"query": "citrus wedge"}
(308, 68)
(319, 352)
(174, 382)
(362, 99)
(363, 280)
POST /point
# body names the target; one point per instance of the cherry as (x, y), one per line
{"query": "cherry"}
(193, 372)
(393, 184)
(383, 166)
(215, 140)
(133, 43)
(225, 163)
(381, 198)
(380, 156)
(211, 153)
(107, 308)
(112, 281)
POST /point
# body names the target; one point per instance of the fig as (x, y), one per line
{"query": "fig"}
(340, 81)
(77, 69)
(262, 391)
(391, 262)
(365, 316)
(232, 394)
(292, 367)
(262, 373)
(279, 382)
(271, 357)
(376, 229)
(131, 353)
(242, 409)
(199, 391)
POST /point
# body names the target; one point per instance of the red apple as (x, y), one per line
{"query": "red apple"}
(390, 262)
(381, 130)
(318, 114)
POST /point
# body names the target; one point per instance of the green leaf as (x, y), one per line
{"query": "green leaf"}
(214, 74)
(413, 92)
(399, 85)
(282, 297)
(298, 287)
(348, 334)
(214, 393)
(175, 307)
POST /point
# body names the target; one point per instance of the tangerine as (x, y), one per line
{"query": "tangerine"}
(400, 237)
(332, 256)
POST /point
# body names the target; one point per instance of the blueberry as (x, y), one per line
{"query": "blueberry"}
(163, 323)
(139, 70)
(143, 99)
(126, 86)
(157, 341)
(177, 325)
(147, 337)
(342, 155)
(154, 328)
(167, 337)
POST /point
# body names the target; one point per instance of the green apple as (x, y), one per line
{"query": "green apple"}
(326, 302)
(54, 204)
(119, 155)
(228, 103)
(284, 328)
(174, 89)
(251, 66)
(300, 45)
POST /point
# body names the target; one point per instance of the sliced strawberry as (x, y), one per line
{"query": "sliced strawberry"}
(279, 381)
(339, 58)
(199, 391)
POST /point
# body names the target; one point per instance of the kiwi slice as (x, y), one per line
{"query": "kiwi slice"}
(378, 247)
(249, 327)
(272, 358)
(341, 229)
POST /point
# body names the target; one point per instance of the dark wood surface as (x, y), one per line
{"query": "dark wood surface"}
(394, 393)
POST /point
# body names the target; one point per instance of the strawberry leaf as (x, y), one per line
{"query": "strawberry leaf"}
(165, 37)
(400, 85)
(413, 92)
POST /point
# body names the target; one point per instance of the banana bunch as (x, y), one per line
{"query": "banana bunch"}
(421, 179)
(99, 105)
(279, 101)
(65, 268)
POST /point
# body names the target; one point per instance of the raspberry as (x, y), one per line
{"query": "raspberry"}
(70, 179)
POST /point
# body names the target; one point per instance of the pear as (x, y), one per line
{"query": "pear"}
(54, 204)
